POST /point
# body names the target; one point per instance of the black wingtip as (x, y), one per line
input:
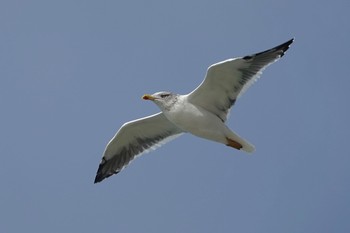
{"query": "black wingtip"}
(99, 176)
(282, 48)
(285, 46)
(101, 173)
(98, 179)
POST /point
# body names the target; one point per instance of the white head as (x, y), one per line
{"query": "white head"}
(164, 99)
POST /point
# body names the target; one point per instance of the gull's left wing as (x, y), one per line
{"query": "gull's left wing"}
(133, 139)
(227, 80)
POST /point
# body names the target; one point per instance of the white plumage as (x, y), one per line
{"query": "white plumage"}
(202, 112)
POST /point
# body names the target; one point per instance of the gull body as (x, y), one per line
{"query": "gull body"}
(196, 120)
(203, 112)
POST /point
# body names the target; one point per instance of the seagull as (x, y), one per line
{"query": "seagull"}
(203, 112)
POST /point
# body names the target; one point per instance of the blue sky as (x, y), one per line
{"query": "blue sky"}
(72, 72)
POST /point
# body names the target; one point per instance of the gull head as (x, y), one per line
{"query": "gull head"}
(164, 99)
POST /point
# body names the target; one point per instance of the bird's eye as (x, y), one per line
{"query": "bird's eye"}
(164, 95)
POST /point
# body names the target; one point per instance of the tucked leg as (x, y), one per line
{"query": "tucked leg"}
(234, 144)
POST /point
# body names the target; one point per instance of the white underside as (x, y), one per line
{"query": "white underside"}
(202, 123)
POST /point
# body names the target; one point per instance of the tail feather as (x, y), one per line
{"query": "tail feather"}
(239, 143)
(248, 147)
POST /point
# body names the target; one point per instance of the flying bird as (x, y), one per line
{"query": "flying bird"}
(203, 112)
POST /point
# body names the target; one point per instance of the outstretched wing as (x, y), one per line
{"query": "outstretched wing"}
(227, 80)
(132, 139)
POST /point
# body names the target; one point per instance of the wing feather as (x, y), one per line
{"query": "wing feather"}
(133, 139)
(228, 80)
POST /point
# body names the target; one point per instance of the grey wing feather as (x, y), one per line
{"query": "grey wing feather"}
(227, 80)
(133, 139)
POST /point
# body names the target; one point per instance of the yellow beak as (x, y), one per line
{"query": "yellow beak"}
(148, 97)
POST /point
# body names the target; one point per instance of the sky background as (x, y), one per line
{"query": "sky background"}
(72, 72)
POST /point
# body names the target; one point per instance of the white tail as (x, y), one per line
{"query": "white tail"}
(239, 143)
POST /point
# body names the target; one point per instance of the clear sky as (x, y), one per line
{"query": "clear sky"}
(72, 72)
